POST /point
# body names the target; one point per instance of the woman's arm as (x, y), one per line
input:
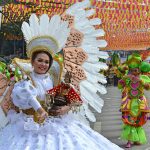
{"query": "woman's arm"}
(24, 96)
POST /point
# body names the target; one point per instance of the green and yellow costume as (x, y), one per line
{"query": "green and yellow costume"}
(134, 106)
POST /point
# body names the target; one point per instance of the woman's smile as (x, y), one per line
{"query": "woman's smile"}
(41, 63)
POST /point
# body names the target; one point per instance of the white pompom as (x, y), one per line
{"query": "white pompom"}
(25, 76)
(13, 69)
(11, 66)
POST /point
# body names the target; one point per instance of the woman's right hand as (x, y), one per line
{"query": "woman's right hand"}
(42, 115)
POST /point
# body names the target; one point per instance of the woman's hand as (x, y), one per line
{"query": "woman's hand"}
(42, 115)
(63, 110)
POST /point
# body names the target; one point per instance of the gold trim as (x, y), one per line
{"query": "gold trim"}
(61, 69)
(21, 60)
(43, 47)
(38, 48)
(42, 37)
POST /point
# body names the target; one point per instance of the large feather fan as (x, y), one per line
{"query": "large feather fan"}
(81, 57)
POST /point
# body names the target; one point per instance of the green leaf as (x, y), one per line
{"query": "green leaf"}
(145, 78)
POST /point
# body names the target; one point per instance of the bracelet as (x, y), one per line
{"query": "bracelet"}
(75, 107)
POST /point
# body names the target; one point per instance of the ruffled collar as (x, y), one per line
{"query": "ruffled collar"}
(39, 76)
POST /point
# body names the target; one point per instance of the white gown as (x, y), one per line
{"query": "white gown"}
(63, 133)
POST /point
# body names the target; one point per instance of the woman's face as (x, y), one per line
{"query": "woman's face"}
(41, 63)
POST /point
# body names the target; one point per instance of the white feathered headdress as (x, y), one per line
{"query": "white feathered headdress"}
(45, 34)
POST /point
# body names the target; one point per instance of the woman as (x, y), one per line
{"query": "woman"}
(56, 133)
(33, 127)
(134, 105)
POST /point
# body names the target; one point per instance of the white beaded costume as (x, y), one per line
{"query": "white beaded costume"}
(80, 46)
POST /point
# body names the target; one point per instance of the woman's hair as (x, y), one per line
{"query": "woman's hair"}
(34, 55)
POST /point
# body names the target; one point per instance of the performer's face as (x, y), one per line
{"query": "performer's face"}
(41, 63)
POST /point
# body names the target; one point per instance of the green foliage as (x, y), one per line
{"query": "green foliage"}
(11, 28)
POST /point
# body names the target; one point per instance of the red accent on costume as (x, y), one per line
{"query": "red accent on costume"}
(71, 94)
(134, 121)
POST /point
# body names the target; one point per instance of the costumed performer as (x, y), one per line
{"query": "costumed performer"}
(134, 106)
